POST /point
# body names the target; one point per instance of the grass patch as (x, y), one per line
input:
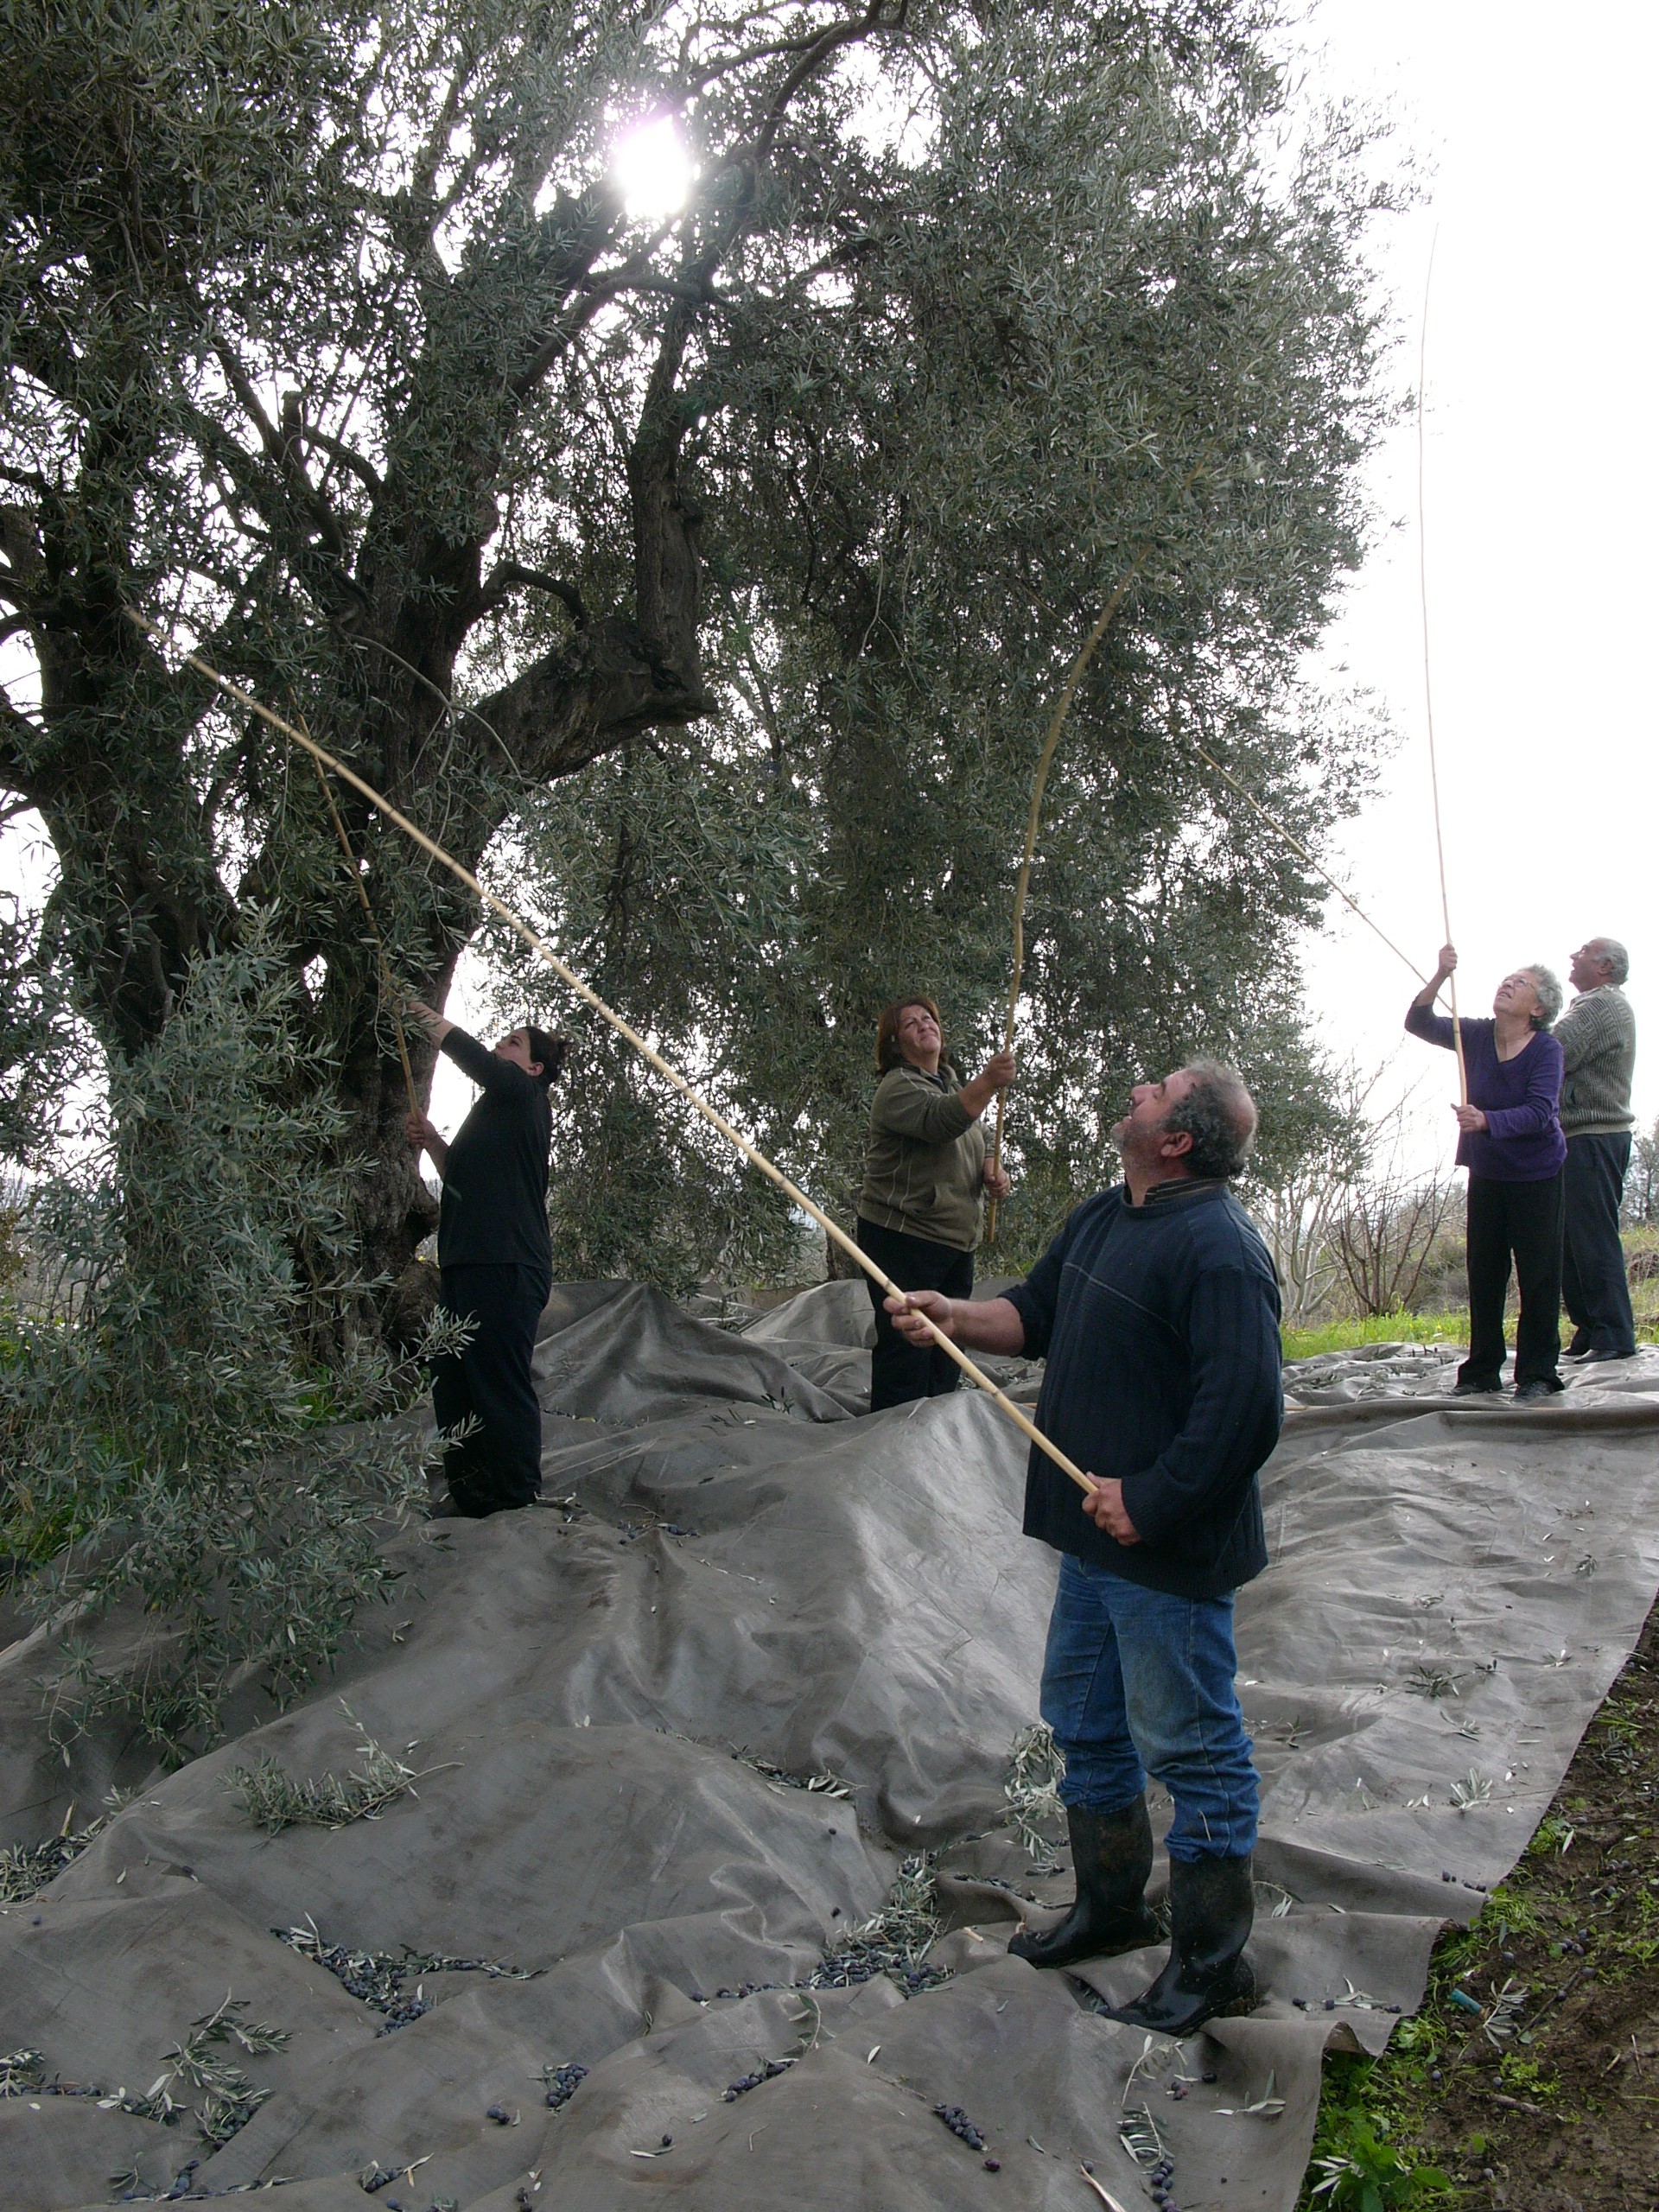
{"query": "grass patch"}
(1525, 2083)
(1449, 1329)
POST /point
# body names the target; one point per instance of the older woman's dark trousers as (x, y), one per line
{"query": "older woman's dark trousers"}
(901, 1371)
(1515, 1224)
(488, 1387)
(1593, 1281)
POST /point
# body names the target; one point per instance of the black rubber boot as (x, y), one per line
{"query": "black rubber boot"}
(1211, 1907)
(1111, 1854)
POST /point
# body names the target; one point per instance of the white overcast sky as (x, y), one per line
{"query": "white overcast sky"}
(1534, 127)
(1541, 489)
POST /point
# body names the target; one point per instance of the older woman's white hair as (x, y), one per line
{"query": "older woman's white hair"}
(1551, 998)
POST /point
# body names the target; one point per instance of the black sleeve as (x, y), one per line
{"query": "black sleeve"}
(505, 1079)
(1237, 1399)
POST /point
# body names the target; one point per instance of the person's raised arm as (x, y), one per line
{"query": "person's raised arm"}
(487, 1068)
(908, 1105)
(1420, 1018)
(997, 1074)
(1443, 967)
(437, 1026)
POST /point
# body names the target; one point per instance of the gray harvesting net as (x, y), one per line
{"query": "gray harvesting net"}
(696, 1882)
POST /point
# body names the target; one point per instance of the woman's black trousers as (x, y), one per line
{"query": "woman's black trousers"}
(1518, 1224)
(900, 1371)
(487, 1391)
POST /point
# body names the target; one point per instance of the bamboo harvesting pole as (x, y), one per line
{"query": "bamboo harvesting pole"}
(590, 997)
(1045, 761)
(1428, 687)
(1034, 821)
(1295, 845)
(386, 985)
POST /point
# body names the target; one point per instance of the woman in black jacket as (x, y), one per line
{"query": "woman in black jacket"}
(495, 1262)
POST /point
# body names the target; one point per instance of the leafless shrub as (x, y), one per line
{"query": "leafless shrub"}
(1383, 1233)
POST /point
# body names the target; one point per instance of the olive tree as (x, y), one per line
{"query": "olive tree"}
(717, 563)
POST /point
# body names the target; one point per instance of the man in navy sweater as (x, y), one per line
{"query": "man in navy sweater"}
(495, 1263)
(1157, 1310)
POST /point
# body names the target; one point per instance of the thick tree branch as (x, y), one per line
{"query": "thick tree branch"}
(28, 479)
(571, 707)
(509, 573)
(347, 457)
(880, 15)
(282, 449)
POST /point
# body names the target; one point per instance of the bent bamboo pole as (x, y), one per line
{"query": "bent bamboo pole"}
(1033, 822)
(1428, 687)
(590, 997)
(362, 890)
(1045, 762)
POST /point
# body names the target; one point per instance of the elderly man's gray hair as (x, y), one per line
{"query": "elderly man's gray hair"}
(1618, 961)
(1548, 985)
(1218, 1114)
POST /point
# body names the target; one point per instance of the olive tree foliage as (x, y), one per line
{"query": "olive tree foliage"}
(719, 567)
(41, 1049)
(1641, 1200)
(1095, 330)
(164, 1452)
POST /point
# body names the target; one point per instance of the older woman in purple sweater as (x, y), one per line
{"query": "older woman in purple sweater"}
(1512, 1145)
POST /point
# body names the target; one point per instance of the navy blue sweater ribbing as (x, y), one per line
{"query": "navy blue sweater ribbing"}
(1160, 1324)
(494, 1211)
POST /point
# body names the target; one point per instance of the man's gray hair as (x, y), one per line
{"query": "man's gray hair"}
(1218, 1114)
(1618, 961)
(1547, 984)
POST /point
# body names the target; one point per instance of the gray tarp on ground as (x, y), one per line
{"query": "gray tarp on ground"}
(744, 1565)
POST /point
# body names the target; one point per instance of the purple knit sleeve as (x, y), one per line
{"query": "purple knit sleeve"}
(1539, 1110)
(1434, 1028)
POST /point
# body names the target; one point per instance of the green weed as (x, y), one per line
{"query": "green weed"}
(1359, 2168)
(1449, 1329)
(1526, 2077)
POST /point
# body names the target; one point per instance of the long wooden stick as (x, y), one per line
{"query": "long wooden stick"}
(1428, 687)
(388, 989)
(1295, 845)
(1033, 820)
(590, 997)
(1045, 761)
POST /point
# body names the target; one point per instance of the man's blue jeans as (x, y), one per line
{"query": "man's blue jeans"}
(1135, 1681)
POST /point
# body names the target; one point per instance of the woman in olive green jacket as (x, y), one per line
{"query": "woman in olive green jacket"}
(925, 1176)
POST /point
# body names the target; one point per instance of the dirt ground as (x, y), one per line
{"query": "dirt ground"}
(1530, 2078)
